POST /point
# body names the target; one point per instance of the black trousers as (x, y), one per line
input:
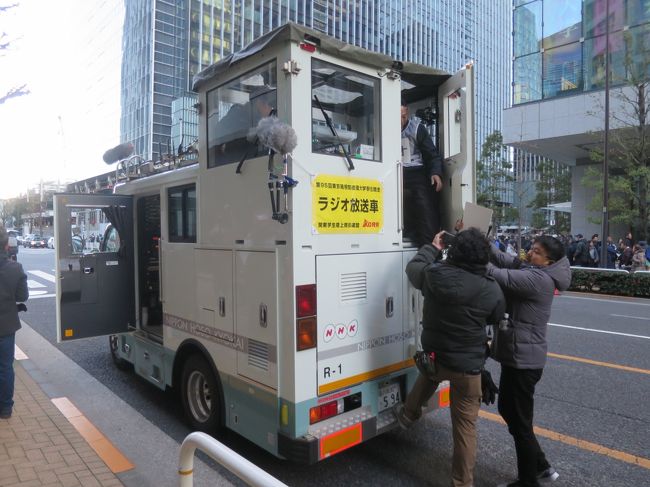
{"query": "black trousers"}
(421, 206)
(516, 404)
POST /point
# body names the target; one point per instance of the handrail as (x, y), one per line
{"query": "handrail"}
(599, 269)
(245, 470)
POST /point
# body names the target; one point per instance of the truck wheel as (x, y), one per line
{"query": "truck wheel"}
(200, 395)
(120, 363)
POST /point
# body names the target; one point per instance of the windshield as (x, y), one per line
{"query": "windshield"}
(351, 100)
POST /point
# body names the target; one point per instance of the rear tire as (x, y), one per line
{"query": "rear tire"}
(120, 363)
(201, 395)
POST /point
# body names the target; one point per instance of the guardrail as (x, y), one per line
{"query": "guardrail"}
(601, 269)
(245, 470)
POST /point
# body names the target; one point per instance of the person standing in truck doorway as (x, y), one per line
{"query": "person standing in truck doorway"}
(13, 289)
(422, 181)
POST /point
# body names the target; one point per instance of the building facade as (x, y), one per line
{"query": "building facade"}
(559, 49)
(167, 42)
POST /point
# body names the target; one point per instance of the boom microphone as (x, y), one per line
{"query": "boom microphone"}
(118, 153)
(275, 135)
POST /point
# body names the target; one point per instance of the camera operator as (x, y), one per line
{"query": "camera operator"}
(422, 181)
(13, 288)
(460, 299)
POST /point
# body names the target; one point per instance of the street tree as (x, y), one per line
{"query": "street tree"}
(553, 185)
(494, 176)
(629, 152)
(5, 45)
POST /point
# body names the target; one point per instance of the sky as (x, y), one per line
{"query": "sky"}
(68, 53)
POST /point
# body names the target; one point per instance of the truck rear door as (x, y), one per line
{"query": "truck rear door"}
(360, 318)
(456, 104)
(95, 282)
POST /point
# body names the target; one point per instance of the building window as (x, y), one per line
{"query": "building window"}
(351, 101)
(528, 34)
(528, 78)
(181, 202)
(236, 107)
(562, 70)
(594, 16)
(638, 41)
(594, 61)
(562, 22)
(638, 11)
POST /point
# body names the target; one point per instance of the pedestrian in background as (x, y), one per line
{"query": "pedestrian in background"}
(520, 345)
(13, 289)
(639, 262)
(459, 301)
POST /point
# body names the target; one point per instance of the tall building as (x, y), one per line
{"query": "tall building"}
(166, 42)
(558, 79)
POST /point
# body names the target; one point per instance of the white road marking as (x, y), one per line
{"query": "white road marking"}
(43, 275)
(42, 296)
(602, 300)
(634, 317)
(600, 331)
(33, 294)
(31, 284)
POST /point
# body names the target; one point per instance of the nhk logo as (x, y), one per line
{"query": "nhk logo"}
(340, 330)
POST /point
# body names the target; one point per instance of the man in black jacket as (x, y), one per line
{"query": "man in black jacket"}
(13, 288)
(460, 299)
(422, 181)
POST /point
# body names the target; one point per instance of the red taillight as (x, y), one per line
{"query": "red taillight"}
(324, 411)
(307, 46)
(305, 300)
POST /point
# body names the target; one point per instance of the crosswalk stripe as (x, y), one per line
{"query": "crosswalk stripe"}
(43, 275)
(31, 284)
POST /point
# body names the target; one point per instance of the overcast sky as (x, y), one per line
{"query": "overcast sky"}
(68, 52)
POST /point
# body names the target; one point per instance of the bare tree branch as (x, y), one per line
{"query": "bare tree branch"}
(14, 93)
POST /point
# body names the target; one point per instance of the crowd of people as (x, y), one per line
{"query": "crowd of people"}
(626, 254)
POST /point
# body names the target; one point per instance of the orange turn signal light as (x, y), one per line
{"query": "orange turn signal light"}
(306, 333)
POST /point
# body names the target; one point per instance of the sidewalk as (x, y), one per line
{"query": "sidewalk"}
(68, 429)
(39, 445)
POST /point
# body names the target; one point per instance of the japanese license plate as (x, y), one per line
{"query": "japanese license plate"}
(389, 396)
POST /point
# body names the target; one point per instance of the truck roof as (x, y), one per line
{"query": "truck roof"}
(415, 74)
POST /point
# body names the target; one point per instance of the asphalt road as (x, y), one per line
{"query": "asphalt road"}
(601, 408)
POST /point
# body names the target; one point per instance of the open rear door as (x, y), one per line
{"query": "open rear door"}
(456, 104)
(95, 280)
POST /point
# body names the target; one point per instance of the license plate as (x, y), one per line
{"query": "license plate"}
(389, 396)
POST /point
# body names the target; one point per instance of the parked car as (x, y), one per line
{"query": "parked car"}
(27, 239)
(50, 243)
(38, 242)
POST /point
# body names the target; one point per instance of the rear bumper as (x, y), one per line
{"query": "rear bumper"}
(310, 449)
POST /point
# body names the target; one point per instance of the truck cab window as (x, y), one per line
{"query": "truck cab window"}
(234, 109)
(182, 213)
(351, 101)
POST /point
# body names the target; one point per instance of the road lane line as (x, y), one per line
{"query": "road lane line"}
(43, 275)
(633, 317)
(600, 331)
(577, 442)
(596, 362)
(626, 299)
(19, 354)
(32, 284)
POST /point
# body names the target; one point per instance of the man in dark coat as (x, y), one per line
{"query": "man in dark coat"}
(422, 181)
(581, 256)
(460, 299)
(521, 346)
(13, 289)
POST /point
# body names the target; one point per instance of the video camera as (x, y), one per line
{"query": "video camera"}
(428, 115)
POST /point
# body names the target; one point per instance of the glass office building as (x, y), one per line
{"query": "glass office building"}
(167, 42)
(559, 45)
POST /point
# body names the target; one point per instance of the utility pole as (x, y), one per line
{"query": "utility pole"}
(605, 227)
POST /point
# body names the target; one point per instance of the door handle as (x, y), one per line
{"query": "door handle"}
(389, 307)
(222, 306)
(263, 316)
(89, 270)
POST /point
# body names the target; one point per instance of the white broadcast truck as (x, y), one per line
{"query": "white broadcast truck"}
(269, 289)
